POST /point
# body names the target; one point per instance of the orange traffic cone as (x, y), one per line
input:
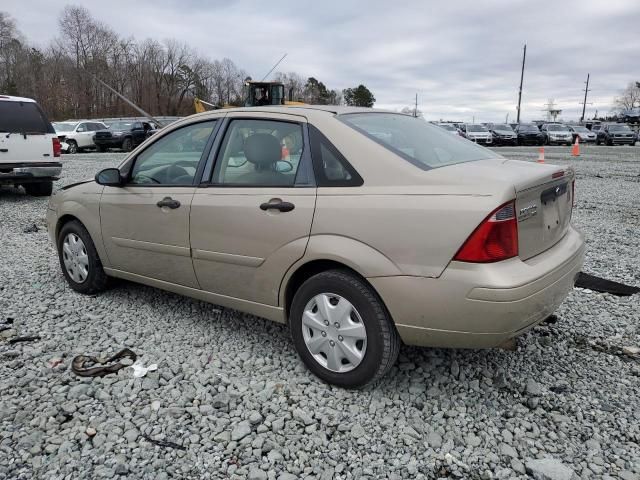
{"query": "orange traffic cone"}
(575, 149)
(541, 155)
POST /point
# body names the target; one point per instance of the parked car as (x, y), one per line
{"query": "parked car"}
(449, 127)
(556, 133)
(123, 134)
(583, 133)
(616, 134)
(476, 133)
(76, 136)
(370, 229)
(29, 146)
(529, 134)
(502, 134)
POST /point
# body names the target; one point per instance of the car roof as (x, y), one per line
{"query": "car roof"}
(310, 111)
(9, 98)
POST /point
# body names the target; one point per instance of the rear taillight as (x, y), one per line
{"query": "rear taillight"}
(495, 239)
(57, 148)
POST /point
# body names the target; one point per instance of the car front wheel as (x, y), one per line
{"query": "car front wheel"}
(72, 146)
(342, 331)
(79, 259)
(127, 144)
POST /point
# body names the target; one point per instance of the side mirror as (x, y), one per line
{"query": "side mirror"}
(109, 177)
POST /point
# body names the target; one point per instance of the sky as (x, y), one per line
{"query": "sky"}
(462, 57)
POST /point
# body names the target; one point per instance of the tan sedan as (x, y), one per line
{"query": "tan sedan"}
(359, 228)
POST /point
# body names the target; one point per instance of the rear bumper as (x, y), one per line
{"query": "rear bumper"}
(482, 305)
(505, 141)
(29, 172)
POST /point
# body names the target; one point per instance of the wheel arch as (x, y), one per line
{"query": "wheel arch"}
(69, 211)
(301, 273)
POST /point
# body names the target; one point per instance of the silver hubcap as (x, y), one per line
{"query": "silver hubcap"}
(75, 257)
(334, 333)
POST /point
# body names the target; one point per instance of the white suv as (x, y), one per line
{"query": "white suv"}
(29, 146)
(77, 135)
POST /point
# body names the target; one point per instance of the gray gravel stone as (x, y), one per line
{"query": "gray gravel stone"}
(548, 469)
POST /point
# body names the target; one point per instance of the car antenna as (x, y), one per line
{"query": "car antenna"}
(272, 68)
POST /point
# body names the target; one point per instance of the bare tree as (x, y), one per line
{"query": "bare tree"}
(630, 97)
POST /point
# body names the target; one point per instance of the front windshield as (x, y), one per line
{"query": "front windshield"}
(120, 125)
(529, 128)
(419, 142)
(476, 128)
(502, 127)
(619, 128)
(64, 127)
(580, 129)
(556, 128)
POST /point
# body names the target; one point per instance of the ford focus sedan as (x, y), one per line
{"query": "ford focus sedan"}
(359, 229)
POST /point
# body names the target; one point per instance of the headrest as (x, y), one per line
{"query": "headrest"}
(262, 149)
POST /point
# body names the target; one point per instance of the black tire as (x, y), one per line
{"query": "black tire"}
(127, 144)
(96, 280)
(383, 342)
(597, 141)
(40, 189)
(102, 148)
(73, 147)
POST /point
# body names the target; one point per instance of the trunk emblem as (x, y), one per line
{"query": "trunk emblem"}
(527, 212)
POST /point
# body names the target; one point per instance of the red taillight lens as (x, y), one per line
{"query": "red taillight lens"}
(495, 239)
(57, 148)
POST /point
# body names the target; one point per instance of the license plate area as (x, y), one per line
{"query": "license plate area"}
(554, 209)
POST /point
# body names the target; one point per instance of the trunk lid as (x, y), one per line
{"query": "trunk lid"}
(29, 148)
(543, 196)
(26, 136)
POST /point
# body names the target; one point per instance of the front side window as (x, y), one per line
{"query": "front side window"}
(172, 159)
(421, 143)
(259, 153)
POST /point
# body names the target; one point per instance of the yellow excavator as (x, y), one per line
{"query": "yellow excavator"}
(256, 94)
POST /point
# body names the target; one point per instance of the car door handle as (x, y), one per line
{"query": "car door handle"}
(4, 150)
(168, 202)
(282, 206)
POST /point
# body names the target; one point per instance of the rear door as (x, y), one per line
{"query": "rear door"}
(145, 224)
(26, 135)
(252, 220)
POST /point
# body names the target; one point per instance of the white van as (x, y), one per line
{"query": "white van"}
(29, 146)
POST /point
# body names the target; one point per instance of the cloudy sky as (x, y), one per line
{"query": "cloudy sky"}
(461, 57)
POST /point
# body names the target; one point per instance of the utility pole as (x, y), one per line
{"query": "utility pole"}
(415, 109)
(584, 104)
(524, 56)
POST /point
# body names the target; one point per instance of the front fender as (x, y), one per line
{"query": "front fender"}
(83, 203)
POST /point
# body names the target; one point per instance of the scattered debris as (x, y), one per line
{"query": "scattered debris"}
(26, 338)
(631, 351)
(164, 443)
(83, 365)
(139, 370)
(33, 228)
(90, 432)
(155, 405)
(54, 362)
(602, 285)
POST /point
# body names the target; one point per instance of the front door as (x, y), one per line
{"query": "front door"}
(253, 221)
(145, 224)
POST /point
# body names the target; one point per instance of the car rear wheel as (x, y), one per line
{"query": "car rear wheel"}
(342, 331)
(102, 149)
(72, 146)
(79, 259)
(40, 189)
(127, 144)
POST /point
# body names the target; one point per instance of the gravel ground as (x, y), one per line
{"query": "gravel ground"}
(231, 393)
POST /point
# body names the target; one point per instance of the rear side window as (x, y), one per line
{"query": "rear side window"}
(415, 140)
(329, 165)
(23, 117)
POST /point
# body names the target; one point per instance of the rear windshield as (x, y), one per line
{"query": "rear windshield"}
(556, 128)
(415, 140)
(121, 126)
(503, 127)
(64, 127)
(23, 117)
